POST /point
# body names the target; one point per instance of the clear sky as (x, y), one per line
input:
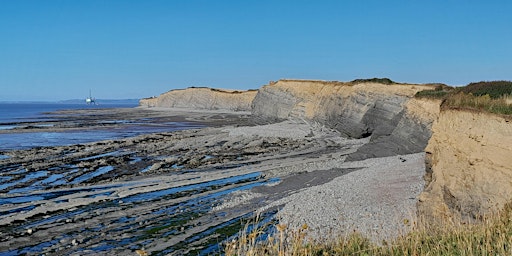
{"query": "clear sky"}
(53, 50)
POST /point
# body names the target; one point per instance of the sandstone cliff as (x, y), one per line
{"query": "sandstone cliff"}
(203, 98)
(395, 122)
(471, 162)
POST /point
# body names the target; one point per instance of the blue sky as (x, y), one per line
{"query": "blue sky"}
(53, 50)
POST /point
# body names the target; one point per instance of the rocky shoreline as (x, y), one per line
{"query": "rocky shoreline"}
(337, 156)
(182, 192)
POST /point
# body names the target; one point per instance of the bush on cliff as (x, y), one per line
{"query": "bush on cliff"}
(374, 80)
(440, 92)
(495, 89)
(492, 97)
(432, 94)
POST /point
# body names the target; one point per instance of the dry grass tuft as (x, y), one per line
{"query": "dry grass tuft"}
(493, 97)
(481, 103)
(492, 235)
(508, 99)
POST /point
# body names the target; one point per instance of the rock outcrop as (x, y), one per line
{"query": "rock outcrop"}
(388, 114)
(470, 155)
(203, 98)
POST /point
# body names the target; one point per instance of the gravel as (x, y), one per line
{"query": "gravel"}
(378, 201)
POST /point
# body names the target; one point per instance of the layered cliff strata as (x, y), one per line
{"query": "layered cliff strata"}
(388, 114)
(203, 98)
(470, 155)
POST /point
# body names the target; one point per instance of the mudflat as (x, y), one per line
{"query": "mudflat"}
(185, 191)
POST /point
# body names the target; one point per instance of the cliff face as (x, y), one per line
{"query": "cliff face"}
(395, 122)
(469, 154)
(203, 98)
(471, 160)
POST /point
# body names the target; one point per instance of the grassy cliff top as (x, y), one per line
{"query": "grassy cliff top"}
(486, 96)
(385, 81)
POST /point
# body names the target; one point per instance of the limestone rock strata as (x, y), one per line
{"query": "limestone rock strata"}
(471, 161)
(203, 98)
(356, 110)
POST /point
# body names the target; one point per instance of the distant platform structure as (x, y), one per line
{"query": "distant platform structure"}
(90, 100)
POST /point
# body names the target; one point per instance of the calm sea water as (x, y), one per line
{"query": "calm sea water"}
(20, 112)
(13, 113)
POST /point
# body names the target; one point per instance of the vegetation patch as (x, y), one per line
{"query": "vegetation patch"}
(374, 80)
(493, 97)
(335, 83)
(479, 103)
(440, 91)
(495, 89)
(385, 81)
(490, 236)
(432, 94)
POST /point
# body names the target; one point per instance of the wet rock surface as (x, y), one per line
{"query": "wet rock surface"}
(162, 193)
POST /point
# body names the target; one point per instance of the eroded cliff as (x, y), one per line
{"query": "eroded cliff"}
(470, 154)
(203, 98)
(387, 113)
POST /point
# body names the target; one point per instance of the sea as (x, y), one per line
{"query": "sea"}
(26, 112)
(13, 115)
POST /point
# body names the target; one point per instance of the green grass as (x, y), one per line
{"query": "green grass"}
(495, 89)
(491, 236)
(493, 97)
(374, 80)
(432, 94)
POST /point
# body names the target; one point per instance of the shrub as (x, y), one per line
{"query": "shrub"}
(493, 97)
(440, 91)
(432, 94)
(374, 80)
(495, 89)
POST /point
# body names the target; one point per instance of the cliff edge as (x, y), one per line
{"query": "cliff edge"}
(470, 156)
(203, 98)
